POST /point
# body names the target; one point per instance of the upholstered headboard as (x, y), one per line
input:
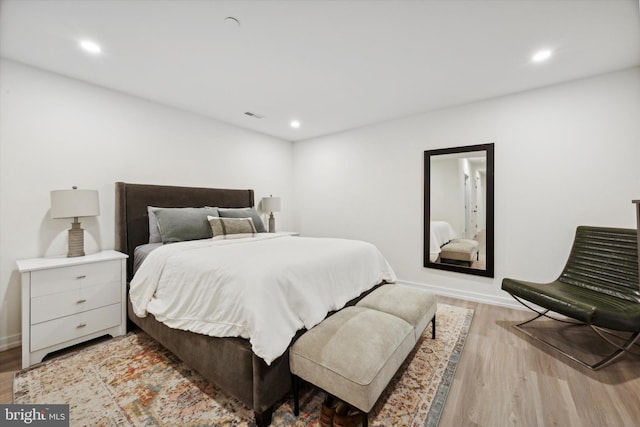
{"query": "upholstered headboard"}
(132, 221)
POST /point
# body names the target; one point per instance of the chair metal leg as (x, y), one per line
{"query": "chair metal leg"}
(595, 366)
(616, 354)
(621, 349)
(603, 334)
(542, 314)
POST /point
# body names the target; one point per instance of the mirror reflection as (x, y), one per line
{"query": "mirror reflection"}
(459, 209)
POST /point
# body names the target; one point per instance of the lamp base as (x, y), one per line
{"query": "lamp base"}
(76, 240)
(272, 223)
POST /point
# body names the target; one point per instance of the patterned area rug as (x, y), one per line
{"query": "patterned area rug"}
(133, 381)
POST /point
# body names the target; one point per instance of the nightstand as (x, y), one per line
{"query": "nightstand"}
(288, 233)
(66, 301)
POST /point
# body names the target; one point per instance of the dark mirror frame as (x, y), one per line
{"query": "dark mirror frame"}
(489, 270)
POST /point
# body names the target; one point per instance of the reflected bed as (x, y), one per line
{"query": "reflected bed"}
(441, 233)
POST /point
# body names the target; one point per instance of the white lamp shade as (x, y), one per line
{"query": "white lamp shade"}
(271, 204)
(74, 203)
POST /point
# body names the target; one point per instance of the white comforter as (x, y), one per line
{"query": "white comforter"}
(263, 288)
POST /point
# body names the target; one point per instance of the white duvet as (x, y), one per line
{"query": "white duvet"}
(263, 288)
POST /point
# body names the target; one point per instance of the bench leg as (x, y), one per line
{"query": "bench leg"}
(433, 327)
(365, 419)
(329, 400)
(296, 395)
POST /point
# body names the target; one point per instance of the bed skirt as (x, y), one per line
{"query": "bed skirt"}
(227, 363)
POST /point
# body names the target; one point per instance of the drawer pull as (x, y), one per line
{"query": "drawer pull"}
(81, 277)
(80, 301)
(81, 325)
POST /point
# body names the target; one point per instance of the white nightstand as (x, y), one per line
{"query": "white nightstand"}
(66, 301)
(288, 233)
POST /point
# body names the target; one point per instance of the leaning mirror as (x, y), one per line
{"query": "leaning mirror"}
(458, 209)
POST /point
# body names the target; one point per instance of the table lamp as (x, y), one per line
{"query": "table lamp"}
(271, 204)
(74, 203)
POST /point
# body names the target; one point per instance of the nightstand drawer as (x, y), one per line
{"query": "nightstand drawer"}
(67, 328)
(62, 279)
(49, 307)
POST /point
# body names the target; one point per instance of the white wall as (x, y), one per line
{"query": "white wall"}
(57, 132)
(447, 193)
(564, 155)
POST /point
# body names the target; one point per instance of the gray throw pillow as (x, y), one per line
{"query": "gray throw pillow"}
(154, 231)
(244, 213)
(181, 224)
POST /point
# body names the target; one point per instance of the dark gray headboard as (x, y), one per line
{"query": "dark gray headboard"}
(132, 221)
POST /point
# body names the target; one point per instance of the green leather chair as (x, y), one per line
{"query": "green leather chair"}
(598, 287)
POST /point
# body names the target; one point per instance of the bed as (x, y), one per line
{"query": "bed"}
(229, 362)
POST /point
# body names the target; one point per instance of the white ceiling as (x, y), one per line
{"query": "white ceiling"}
(333, 65)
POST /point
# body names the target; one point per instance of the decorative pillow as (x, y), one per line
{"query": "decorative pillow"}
(154, 231)
(180, 224)
(244, 213)
(231, 228)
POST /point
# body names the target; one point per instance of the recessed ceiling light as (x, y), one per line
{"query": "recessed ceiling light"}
(295, 124)
(541, 55)
(90, 46)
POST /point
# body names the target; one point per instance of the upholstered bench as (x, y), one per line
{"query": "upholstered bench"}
(465, 250)
(415, 306)
(354, 353)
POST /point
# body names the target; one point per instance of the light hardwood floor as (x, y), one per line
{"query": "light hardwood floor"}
(507, 379)
(10, 362)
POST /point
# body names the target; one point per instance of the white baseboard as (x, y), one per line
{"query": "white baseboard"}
(9, 342)
(466, 295)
